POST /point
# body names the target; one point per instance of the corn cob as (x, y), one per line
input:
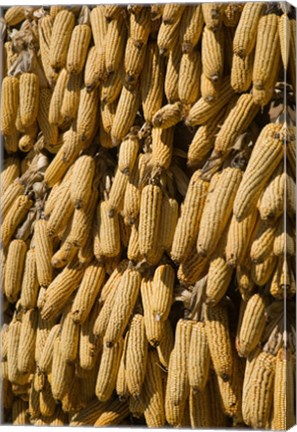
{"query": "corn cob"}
(199, 358)
(128, 154)
(271, 202)
(136, 356)
(258, 170)
(150, 212)
(151, 81)
(61, 35)
(154, 329)
(94, 69)
(102, 320)
(116, 194)
(88, 291)
(89, 348)
(262, 272)
(11, 142)
(44, 252)
(236, 122)
(15, 190)
(199, 403)
(212, 54)
(45, 360)
(133, 62)
(283, 280)
(209, 89)
(61, 213)
(78, 48)
(63, 374)
(71, 97)
(202, 110)
(213, 15)
(167, 37)
(292, 59)
(125, 114)
(262, 242)
(241, 72)
(87, 115)
(121, 384)
(98, 26)
(218, 337)
(124, 302)
(14, 268)
(9, 104)
(26, 350)
(14, 333)
(11, 171)
(193, 268)
(69, 336)
(227, 186)
(82, 181)
(108, 370)
(43, 329)
(114, 414)
(46, 401)
(191, 26)
(109, 230)
(284, 38)
(178, 388)
(232, 14)
(140, 26)
(166, 345)
(186, 232)
(153, 394)
(14, 15)
(50, 131)
(169, 217)
(115, 44)
(162, 147)
(252, 325)
(45, 27)
(61, 288)
(284, 241)
(189, 77)
(162, 293)
(132, 195)
(246, 32)
(29, 95)
(172, 75)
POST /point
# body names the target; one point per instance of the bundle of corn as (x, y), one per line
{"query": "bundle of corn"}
(148, 215)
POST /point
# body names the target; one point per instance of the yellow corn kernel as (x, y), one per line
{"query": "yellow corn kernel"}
(14, 268)
(133, 61)
(115, 44)
(152, 80)
(82, 181)
(238, 240)
(69, 336)
(46, 401)
(191, 26)
(102, 320)
(189, 77)
(89, 347)
(109, 231)
(78, 48)
(212, 54)
(292, 59)
(10, 171)
(154, 329)
(108, 370)
(241, 72)
(167, 116)
(262, 242)
(29, 96)
(209, 89)
(87, 115)
(162, 292)
(133, 252)
(44, 252)
(202, 110)
(283, 244)
(220, 199)
(11, 142)
(14, 15)
(45, 27)
(125, 114)
(271, 203)
(192, 268)
(14, 333)
(61, 34)
(114, 413)
(232, 14)
(30, 285)
(213, 15)
(61, 288)
(200, 414)
(172, 13)
(136, 356)
(121, 384)
(169, 217)
(166, 345)
(88, 291)
(283, 281)
(218, 337)
(125, 299)
(261, 391)
(178, 388)
(252, 325)
(267, 53)
(199, 358)
(261, 272)
(149, 220)
(237, 121)
(10, 196)
(45, 360)
(172, 74)
(50, 131)
(63, 374)
(71, 96)
(283, 399)
(162, 147)
(26, 350)
(259, 169)
(153, 394)
(128, 153)
(167, 37)
(94, 68)
(43, 328)
(246, 32)
(9, 104)
(188, 224)
(116, 195)
(61, 213)
(99, 26)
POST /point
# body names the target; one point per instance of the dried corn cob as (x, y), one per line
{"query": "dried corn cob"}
(199, 358)
(262, 242)
(9, 104)
(241, 72)
(213, 15)
(162, 147)
(44, 252)
(82, 181)
(115, 44)
(61, 34)
(189, 77)
(14, 15)
(26, 350)
(29, 96)
(71, 97)
(78, 48)
(212, 54)
(172, 75)
(69, 336)
(191, 26)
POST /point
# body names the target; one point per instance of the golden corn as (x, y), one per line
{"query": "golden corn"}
(78, 48)
(71, 96)
(154, 329)
(87, 115)
(29, 96)
(199, 404)
(241, 72)
(26, 350)
(172, 75)
(14, 268)
(213, 15)
(189, 77)
(167, 116)
(89, 347)
(133, 61)
(166, 345)
(162, 147)
(128, 154)
(115, 44)
(63, 374)
(109, 230)
(82, 181)
(191, 26)
(167, 36)
(169, 218)
(69, 336)
(14, 15)
(262, 242)
(261, 272)
(199, 358)
(212, 53)
(116, 195)
(61, 35)
(94, 68)
(44, 252)
(45, 360)
(272, 201)
(162, 292)
(50, 131)
(9, 104)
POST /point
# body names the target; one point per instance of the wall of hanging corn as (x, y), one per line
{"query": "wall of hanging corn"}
(148, 215)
